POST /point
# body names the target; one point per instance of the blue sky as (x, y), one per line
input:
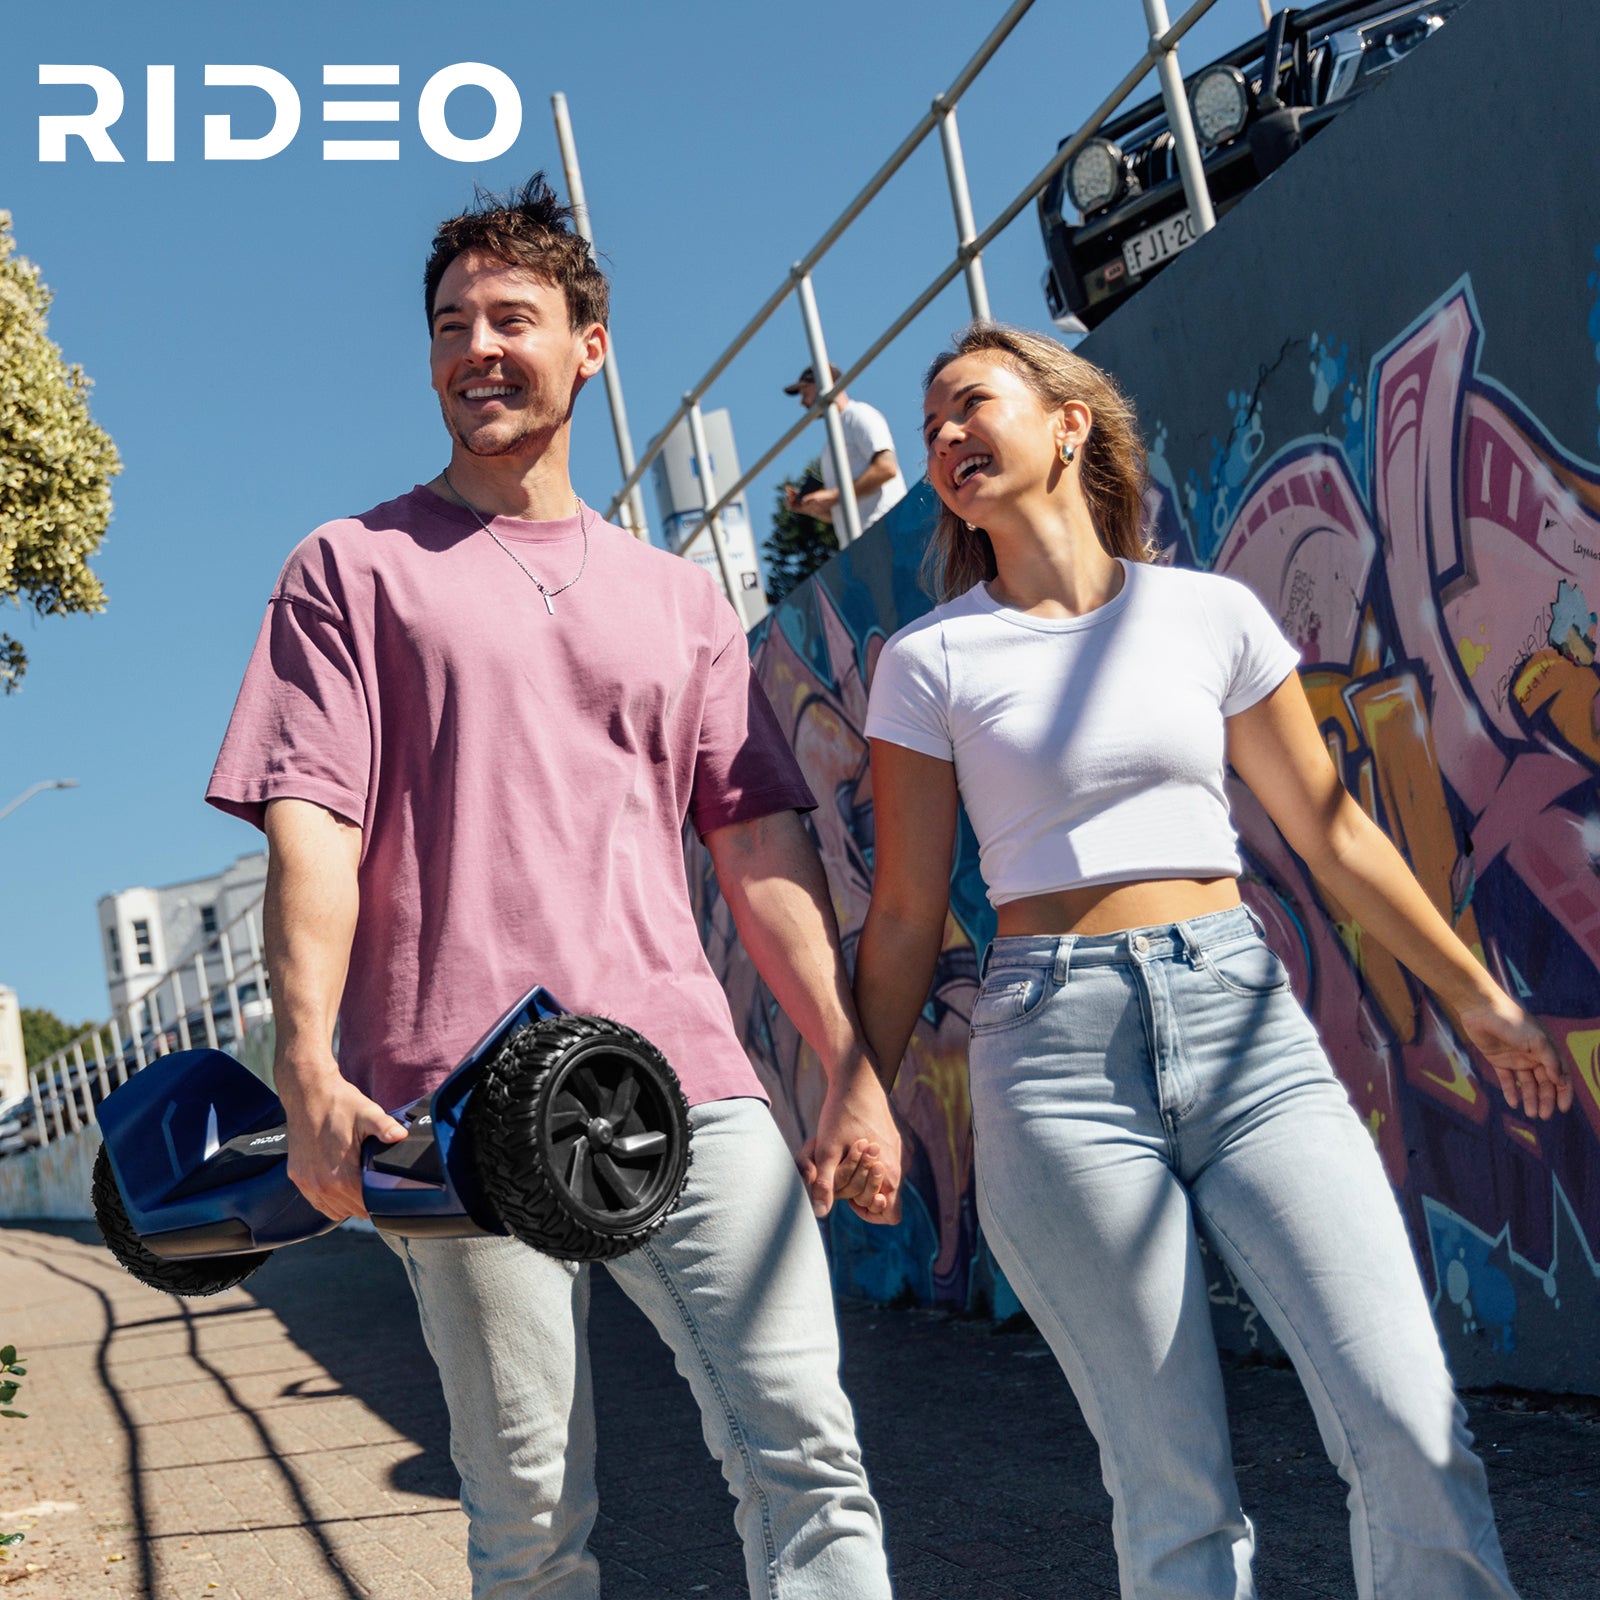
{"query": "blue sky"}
(255, 334)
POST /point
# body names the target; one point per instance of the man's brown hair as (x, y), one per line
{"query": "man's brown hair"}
(527, 228)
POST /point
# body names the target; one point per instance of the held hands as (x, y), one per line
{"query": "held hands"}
(1523, 1055)
(855, 1153)
(329, 1118)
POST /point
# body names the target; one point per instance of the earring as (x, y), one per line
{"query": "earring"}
(970, 527)
(1067, 453)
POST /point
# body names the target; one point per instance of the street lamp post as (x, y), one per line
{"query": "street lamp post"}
(28, 794)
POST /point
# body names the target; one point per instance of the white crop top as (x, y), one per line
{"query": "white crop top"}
(1087, 749)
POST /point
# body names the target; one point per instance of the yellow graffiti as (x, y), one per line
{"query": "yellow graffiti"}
(1471, 655)
(1462, 1085)
(1584, 1046)
(940, 1068)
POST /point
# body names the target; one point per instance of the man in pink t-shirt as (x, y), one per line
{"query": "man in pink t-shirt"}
(475, 722)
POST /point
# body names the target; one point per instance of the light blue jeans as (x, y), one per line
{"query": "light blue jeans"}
(737, 1285)
(1129, 1087)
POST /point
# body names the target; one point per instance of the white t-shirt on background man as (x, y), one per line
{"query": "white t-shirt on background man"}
(866, 432)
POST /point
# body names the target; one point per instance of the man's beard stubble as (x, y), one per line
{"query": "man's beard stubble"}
(528, 438)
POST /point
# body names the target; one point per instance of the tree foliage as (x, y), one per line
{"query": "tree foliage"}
(798, 544)
(56, 465)
(43, 1033)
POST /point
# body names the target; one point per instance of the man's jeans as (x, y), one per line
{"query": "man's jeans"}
(1126, 1087)
(737, 1285)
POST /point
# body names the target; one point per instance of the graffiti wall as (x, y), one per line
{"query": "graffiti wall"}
(1370, 395)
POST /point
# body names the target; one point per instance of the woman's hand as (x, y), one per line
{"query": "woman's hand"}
(1277, 748)
(855, 1153)
(1523, 1055)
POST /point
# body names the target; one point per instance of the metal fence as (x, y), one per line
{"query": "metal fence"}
(1160, 53)
(215, 998)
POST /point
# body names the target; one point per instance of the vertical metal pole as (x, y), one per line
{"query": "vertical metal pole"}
(117, 1051)
(1179, 121)
(206, 1012)
(84, 1086)
(955, 170)
(830, 413)
(38, 1108)
(619, 412)
(1266, 12)
(183, 1014)
(100, 1066)
(56, 1092)
(136, 1013)
(708, 498)
(225, 944)
(158, 1029)
(68, 1093)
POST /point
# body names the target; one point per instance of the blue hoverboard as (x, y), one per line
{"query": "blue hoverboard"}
(569, 1132)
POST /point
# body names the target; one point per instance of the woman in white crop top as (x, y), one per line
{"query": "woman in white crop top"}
(1139, 1066)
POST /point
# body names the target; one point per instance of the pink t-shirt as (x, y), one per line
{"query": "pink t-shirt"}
(521, 779)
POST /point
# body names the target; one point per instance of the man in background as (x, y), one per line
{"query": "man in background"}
(873, 468)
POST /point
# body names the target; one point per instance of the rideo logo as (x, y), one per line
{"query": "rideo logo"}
(93, 127)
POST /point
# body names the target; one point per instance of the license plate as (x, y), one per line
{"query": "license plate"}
(1155, 245)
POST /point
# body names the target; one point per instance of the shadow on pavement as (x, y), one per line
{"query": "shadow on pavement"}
(343, 1300)
(988, 1477)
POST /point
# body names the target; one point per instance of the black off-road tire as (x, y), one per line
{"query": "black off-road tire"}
(191, 1277)
(579, 1132)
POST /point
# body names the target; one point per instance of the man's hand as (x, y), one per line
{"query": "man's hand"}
(772, 880)
(855, 1153)
(818, 504)
(329, 1118)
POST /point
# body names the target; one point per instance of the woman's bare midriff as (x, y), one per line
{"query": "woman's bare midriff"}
(1111, 907)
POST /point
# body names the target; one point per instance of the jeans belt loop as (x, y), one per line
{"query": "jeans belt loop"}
(1192, 947)
(1256, 922)
(1063, 957)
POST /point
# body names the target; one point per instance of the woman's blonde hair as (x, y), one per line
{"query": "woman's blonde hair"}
(1111, 463)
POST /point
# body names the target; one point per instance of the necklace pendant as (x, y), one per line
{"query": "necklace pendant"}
(549, 604)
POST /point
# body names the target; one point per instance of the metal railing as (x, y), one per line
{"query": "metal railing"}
(184, 1008)
(1160, 52)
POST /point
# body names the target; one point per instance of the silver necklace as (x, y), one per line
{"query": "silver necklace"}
(548, 593)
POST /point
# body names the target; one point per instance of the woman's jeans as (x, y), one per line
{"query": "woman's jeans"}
(1126, 1088)
(737, 1285)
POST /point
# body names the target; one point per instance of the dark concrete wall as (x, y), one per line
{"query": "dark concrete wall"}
(1371, 394)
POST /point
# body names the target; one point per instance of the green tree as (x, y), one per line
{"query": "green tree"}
(798, 544)
(43, 1033)
(56, 465)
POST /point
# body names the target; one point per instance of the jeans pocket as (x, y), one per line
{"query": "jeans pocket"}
(1248, 969)
(1008, 996)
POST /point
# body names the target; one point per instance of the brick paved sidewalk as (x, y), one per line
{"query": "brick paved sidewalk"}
(287, 1440)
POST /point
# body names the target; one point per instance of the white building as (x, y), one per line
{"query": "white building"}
(13, 1061)
(145, 933)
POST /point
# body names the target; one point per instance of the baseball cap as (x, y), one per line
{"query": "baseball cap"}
(809, 375)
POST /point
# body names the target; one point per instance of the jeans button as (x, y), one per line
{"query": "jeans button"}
(1140, 943)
